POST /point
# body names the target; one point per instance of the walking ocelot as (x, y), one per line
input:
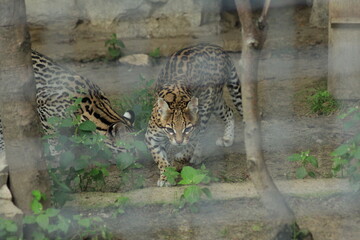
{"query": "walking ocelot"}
(189, 89)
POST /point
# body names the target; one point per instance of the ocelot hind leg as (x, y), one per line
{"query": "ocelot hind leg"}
(226, 114)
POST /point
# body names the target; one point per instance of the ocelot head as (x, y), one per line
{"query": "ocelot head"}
(121, 131)
(179, 121)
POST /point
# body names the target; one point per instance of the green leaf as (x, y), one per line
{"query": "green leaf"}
(11, 227)
(192, 194)
(67, 122)
(295, 157)
(63, 224)
(341, 150)
(312, 174)
(357, 153)
(52, 212)
(87, 126)
(171, 175)
(85, 222)
(66, 159)
(36, 206)
(155, 53)
(120, 43)
(29, 219)
(301, 172)
(43, 221)
(207, 192)
(188, 173)
(125, 160)
(81, 163)
(36, 194)
(140, 146)
(313, 161)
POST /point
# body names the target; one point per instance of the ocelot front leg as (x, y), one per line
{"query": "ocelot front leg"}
(157, 145)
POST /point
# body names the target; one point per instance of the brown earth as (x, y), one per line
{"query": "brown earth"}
(293, 66)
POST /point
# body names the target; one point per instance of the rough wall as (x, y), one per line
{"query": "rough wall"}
(142, 24)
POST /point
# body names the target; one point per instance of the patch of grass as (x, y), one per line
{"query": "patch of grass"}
(323, 103)
(114, 46)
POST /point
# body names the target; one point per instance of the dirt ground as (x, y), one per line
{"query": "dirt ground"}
(293, 64)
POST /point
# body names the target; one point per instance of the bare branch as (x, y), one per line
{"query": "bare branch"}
(261, 23)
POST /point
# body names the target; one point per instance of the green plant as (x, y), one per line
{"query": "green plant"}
(191, 177)
(155, 53)
(52, 224)
(140, 101)
(120, 204)
(323, 103)
(304, 159)
(347, 155)
(82, 151)
(114, 46)
(8, 229)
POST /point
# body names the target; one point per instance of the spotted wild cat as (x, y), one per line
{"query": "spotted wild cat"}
(56, 90)
(189, 89)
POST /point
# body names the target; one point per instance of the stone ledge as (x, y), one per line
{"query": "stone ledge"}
(220, 191)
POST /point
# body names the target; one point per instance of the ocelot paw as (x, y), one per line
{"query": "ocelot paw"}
(196, 160)
(163, 183)
(224, 142)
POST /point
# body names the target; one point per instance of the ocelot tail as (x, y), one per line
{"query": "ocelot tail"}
(189, 89)
(57, 88)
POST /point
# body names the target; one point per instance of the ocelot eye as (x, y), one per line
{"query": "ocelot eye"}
(170, 130)
(188, 129)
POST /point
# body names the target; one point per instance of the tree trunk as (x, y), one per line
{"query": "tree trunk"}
(21, 128)
(253, 38)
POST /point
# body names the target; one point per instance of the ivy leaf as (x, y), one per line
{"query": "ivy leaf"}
(36, 194)
(87, 126)
(341, 150)
(207, 192)
(43, 221)
(140, 145)
(11, 227)
(357, 153)
(85, 222)
(36, 206)
(192, 194)
(313, 161)
(125, 160)
(295, 157)
(52, 212)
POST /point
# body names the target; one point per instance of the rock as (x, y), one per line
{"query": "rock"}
(5, 193)
(136, 60)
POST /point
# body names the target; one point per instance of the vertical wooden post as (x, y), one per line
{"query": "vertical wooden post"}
(21, 126)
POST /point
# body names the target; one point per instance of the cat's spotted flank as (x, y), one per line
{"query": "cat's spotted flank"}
(189, 89)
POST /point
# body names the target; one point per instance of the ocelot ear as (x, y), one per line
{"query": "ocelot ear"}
(130, 115)
(193, 105)
(163, 107)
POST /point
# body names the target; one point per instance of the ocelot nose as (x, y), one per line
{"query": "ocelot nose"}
(179, 140)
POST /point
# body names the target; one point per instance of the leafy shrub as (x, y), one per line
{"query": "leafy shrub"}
(323, 103)
(304, 159)
(347, 156)
(82, 164)
(8, 229)
(52, 224)
(191, 177)
(114, 46)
